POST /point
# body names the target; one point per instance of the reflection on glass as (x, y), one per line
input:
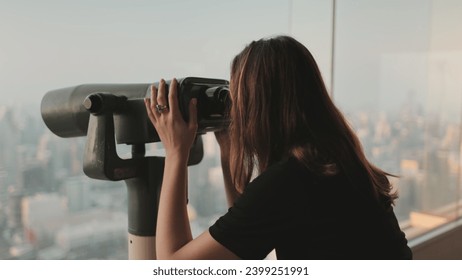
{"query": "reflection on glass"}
(398, 77)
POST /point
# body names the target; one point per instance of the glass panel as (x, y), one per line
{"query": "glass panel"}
(397, 75)
(48, 208)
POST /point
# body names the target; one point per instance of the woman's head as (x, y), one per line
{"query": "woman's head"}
(281, 108)
(278, 102)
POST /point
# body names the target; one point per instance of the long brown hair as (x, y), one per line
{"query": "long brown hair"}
(280, 108)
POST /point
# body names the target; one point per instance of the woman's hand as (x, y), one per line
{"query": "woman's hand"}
(176, 135)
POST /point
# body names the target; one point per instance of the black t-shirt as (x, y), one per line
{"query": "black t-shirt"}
(304, 216)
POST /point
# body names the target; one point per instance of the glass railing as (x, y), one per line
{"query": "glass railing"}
(397, 75)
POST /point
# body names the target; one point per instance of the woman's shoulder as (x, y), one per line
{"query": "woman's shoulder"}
(288, 171)
(292, 177)
(279, 186)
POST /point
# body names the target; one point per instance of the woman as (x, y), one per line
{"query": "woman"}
(315, 196)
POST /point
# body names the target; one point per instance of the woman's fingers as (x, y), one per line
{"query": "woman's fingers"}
(153, 95)
(155, 105)
(174, 132)
(151, 103)
(162, 94)
(193, 114)
(173, 97)
(149, 110)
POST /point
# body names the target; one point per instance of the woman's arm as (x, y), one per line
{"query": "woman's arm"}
(174, 239)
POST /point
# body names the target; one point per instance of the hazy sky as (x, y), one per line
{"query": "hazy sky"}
(51, 44)
(388, 51)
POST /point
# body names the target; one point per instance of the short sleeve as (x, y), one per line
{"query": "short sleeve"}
(252, 228)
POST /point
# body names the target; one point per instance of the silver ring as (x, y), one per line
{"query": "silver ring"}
(161, 108)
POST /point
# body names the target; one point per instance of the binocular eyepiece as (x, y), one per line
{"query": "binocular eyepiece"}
(66, 111)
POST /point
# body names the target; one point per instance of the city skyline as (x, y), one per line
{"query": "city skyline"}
(50, 209)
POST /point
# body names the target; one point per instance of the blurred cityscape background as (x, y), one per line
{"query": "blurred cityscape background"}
(393, 67)
(50, 210)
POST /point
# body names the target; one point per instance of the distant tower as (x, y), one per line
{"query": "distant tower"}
(13, 209)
